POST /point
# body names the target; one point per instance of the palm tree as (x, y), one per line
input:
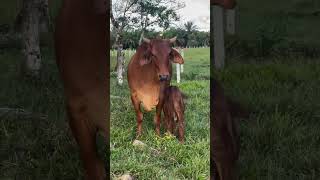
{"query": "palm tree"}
(190, 27)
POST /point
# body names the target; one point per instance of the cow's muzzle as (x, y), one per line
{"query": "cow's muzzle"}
(163, 77)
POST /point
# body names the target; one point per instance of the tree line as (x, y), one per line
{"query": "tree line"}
(185, 37)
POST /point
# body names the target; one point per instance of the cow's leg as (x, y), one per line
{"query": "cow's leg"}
(139, 115)
(86, 139)
(226, 170)
(214, 173)
(157, 118)
(224, 160)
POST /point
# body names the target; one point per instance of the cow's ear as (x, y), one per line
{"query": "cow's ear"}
(144, 61)
(176, 57)
(146, 56)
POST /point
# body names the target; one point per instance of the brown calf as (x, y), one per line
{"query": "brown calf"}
(149, 73)
(224, 134)
(82, 56)
(174, 107)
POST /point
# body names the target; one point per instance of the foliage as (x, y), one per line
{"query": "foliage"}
(130, 39)
(271, 38)
(141, 15)
(158, 12)
(190, 28)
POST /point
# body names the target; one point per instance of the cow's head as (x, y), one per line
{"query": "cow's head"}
(161, 53)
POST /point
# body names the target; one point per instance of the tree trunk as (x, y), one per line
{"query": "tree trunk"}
(44, 15)
(120, 60)
(120, 65)
(30, 37)
(141, 36)
(218, 37)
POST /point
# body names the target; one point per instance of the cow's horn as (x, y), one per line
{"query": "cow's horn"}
(146, 40)
(172, 40)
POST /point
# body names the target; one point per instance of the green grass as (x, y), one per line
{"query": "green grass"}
(32, 147)
(171, 159)
(281, 139)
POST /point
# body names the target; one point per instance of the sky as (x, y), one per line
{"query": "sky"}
(197, 11)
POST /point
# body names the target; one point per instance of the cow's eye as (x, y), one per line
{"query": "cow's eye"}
(153, 57)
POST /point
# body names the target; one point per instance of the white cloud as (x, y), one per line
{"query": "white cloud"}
(197, 11)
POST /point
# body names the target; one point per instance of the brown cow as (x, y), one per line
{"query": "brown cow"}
(149, 73)
(174, 107)
(82, 54)
(224, 134)
(227, 4)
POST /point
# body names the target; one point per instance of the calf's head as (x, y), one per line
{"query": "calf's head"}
(160, 52)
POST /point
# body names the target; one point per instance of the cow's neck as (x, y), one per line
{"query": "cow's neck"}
(85, 7)
(99, 6)
(79, 6)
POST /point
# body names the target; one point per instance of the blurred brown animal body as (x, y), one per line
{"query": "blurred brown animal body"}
(224, 134)
(82, 54)
(174, 106)
(149, 73)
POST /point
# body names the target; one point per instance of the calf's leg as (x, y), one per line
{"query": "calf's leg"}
(157, 118)
(167, 122)
(180, 122)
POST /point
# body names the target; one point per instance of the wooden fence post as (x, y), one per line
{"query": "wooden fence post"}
(231, 21)
(179, 67)
(182, 54)
(178, 72)
(218, 36)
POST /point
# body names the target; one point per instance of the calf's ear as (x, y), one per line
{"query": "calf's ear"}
(176, 57)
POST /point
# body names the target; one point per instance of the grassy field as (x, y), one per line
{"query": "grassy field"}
(281, 140)
(164, 158)
(35, 143)
(280, 84)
